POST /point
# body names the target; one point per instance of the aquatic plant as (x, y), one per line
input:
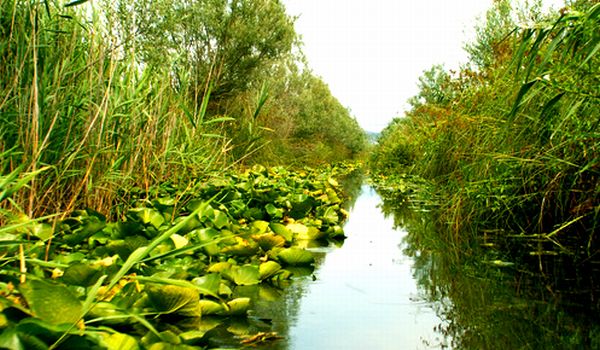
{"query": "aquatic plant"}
(168, 272)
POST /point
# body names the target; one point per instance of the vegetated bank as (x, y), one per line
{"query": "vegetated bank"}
(101, 98)
(130, 198)
(509, 146)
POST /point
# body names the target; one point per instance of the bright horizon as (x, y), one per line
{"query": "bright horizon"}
(371, 54)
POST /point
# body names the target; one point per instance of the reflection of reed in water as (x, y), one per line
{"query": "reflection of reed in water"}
(498, 292)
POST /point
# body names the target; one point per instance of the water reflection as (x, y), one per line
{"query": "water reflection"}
(362, 296)
(491, 305)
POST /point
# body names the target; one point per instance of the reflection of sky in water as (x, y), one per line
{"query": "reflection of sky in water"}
(365, 296)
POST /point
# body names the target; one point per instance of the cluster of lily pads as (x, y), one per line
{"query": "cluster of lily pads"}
(148, 280)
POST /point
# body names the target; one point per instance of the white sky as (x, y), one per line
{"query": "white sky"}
(371, 53)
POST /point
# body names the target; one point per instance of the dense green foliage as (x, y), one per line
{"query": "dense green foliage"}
(174, 270)
(105, 96)
(512, 141)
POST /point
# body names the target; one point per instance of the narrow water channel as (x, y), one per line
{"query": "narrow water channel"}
(361, 295)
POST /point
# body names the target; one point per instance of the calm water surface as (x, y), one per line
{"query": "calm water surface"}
(361, 296)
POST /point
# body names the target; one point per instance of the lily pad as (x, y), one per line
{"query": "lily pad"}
(119, 341)
(273, 211)
(269, 241)
(219, 267)
(330, 216)
(149, 216)
(268, 269)
(80, 274)
(243, 247)
(51, 302)
(296, 257)
(312, 233)
(174, 299)
(221, 219)
(210, 307)
(238, 306)
(259, 226)
(297, 229)
(211, 282)
(246, 275)
(281, 230)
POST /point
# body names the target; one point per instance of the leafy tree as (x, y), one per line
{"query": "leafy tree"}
(227, 43)
(434, 88)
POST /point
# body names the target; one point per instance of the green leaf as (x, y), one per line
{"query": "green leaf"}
(119, 341)
(241, 248)
(268, 269)
(210, 307)
(41, 230)
(259, 226)
(221, 219)
(548, 106)
(332, 182)
(219, 267)
(179, 241)
(301, 206)
(9, 339)
(269, 241)
(238, 307)
(273, 211)
(207, 236)
(332, 196)
(246, 275)
(149, 216)
(330, 216)
(81, 274)
(108, 314)
(295, 257)
(175, 299)
(211, 282)
(297, 229)
(311, 233)
(522, 92)
(281, 230)
(53, 303)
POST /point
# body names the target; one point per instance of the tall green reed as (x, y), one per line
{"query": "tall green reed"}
(74, 101)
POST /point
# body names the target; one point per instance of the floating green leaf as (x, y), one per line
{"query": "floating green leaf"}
(280, 229)
(237, 307)
(219, 267)
(46, 299)
(296, 257)
(221, 219)
(311, 233)
(81, 274)
(149, 216)
(210, 307)
(259, 226)
(273, 211)
(269, 241)
(211, 282)
(246, 275)
(119, 341)
(297, 229)
(174, 299)
(330, 216)
(268, 269)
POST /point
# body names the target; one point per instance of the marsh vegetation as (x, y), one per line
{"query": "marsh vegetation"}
(164, 166)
